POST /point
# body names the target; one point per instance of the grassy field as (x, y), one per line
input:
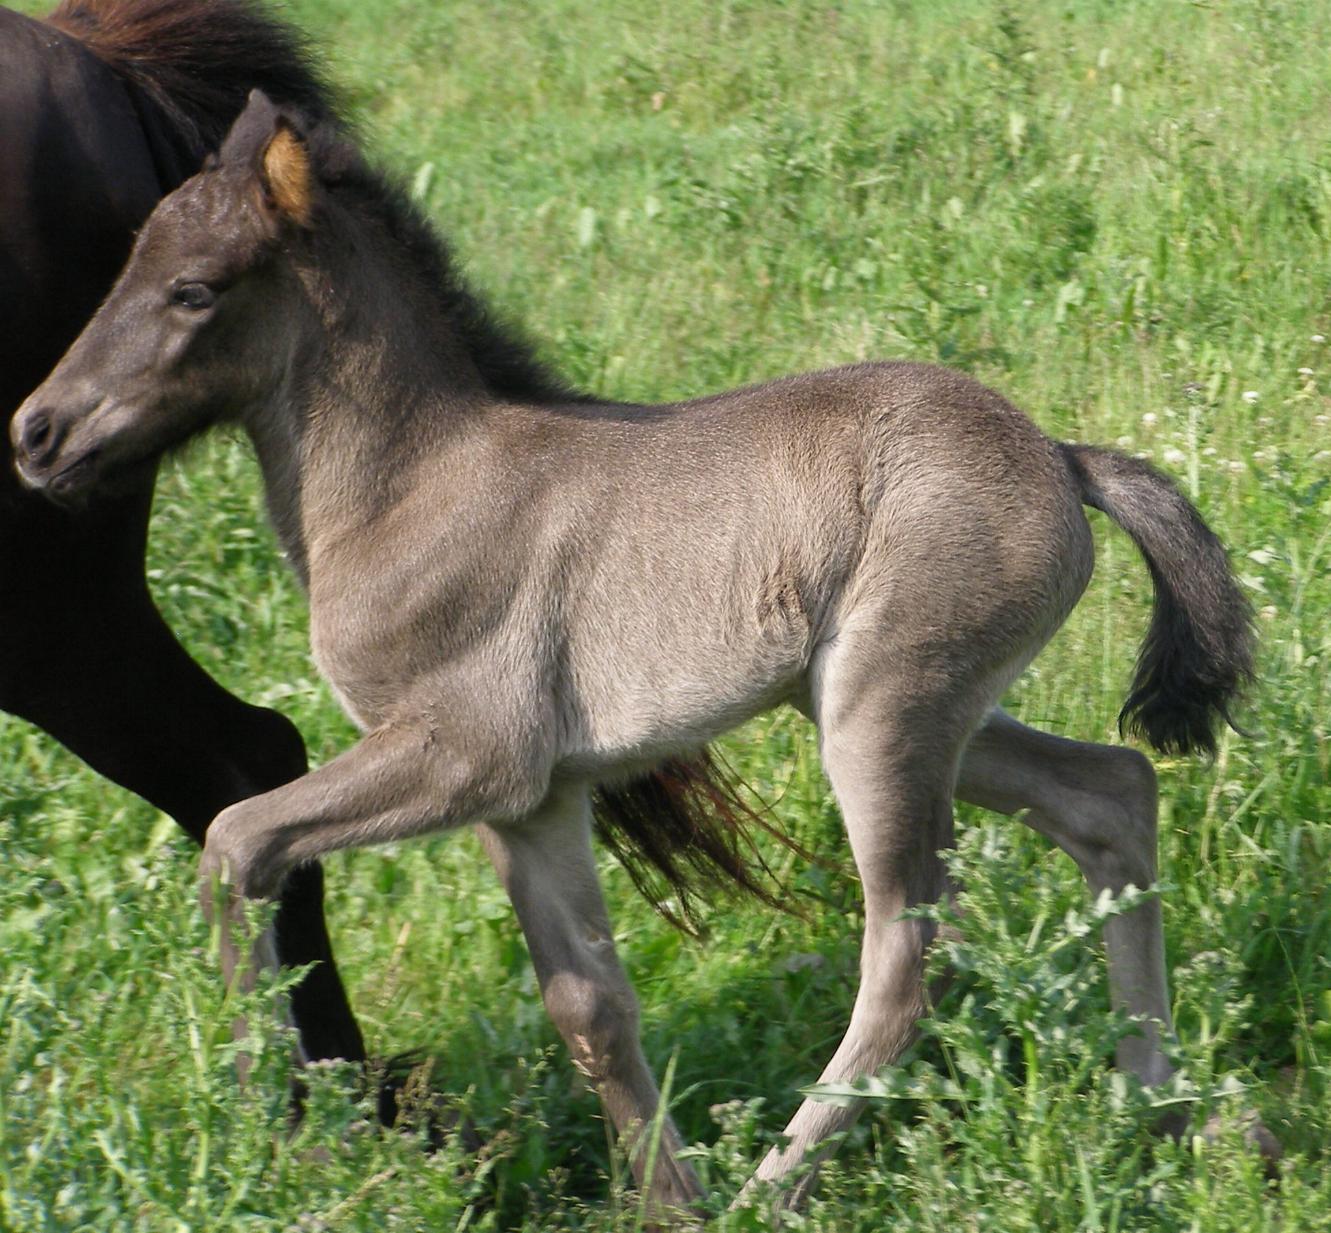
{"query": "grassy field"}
(1117, 213)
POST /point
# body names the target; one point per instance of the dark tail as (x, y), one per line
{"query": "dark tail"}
(199, 59)
(1198, 651)
(687, 823)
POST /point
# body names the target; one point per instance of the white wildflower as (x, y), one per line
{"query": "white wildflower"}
(1250, 395)
(1149, 419)
(1174, 456)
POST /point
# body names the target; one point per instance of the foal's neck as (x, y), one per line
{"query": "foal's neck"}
(378, 385)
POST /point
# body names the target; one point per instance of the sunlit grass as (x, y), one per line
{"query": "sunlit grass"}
(1116, 213)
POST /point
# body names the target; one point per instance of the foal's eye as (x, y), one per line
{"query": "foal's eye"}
(193, 295)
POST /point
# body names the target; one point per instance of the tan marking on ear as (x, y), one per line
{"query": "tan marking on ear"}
(287, 172)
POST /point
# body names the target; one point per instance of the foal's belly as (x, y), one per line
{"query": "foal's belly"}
(633, 710)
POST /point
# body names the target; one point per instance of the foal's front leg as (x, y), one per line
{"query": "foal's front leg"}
(546, 865)
(399, 781)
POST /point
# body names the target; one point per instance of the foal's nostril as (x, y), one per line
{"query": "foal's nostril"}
(37, 432)
(39, 438)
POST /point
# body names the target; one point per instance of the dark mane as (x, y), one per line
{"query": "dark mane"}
(502, 353)
(198, 59)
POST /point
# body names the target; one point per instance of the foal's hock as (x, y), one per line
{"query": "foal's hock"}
(522, 595)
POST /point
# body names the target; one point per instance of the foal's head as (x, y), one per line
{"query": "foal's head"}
(201, 325)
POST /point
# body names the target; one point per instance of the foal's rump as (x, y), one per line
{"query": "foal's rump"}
(975, 545)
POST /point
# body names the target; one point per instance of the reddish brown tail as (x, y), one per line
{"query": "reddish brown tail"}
(687, 824)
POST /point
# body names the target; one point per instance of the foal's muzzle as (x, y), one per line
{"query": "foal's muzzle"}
(40, 433)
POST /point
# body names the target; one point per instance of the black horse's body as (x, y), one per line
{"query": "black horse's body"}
(104, 108)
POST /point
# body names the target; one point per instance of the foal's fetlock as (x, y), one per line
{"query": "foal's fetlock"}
(671, 1218)
(215, 884)
(1177, 1125)
(232, 858)
(671, 1198)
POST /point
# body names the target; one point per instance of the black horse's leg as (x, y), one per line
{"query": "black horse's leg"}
(85, 655)
(83, 652)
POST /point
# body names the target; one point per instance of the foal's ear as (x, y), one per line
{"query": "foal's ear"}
(267, 141)
(286, 176)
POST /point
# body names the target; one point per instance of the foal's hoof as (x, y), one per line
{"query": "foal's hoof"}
(1255, 1136)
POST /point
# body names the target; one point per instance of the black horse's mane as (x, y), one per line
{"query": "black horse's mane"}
(190, 58)
(198, 59)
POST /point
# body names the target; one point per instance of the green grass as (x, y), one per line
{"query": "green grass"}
(1119, 214)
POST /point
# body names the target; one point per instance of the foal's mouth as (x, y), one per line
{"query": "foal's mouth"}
(75, 475)
(71, 481)
(97, 474)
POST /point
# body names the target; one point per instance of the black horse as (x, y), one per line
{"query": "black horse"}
(105, 107)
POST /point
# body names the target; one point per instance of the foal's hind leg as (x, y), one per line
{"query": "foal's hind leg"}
(1097, 803)
(892, 728)
(547, 868)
